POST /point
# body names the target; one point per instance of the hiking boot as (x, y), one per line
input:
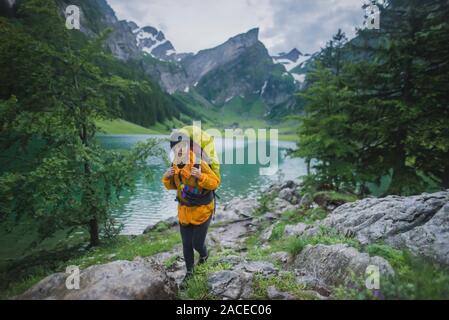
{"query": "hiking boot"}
(203, 260)
(186, 279)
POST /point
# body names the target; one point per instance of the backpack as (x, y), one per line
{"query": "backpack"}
(208, 154)
(207, 146)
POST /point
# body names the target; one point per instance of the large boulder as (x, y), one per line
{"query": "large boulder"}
(119, 280)
(232, 235)
(419, 223)
(236, 209)
(335, 265)
(230, 285)
(237, 283)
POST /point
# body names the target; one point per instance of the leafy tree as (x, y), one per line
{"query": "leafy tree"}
(52, 94)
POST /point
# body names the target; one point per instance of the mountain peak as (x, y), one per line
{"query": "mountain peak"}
(250, 37)
(254, 32)
(293, 55)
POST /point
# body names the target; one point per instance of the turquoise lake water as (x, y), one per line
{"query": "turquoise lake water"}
(151, 203)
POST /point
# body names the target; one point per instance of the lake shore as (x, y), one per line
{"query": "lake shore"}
(122, 127)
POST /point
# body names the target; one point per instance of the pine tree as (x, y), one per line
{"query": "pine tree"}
(53, 93)
(389, 104)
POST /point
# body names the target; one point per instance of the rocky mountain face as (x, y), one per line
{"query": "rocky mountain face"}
(240, 67)
(207, 60)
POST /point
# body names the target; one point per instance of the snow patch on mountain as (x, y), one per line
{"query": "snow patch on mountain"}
(264, 87)
(153, 42)
(300, 78)
(291, 60)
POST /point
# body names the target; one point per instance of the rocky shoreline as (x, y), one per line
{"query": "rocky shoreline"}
(271, 248)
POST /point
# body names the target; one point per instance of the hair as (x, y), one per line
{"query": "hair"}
(177, 137)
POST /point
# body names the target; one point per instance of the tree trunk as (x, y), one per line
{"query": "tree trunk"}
(399, 173)
(94, 233)
(89, 195)
(445, 180)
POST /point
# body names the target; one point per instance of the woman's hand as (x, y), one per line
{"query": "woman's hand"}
(196, 173)
(170, 172)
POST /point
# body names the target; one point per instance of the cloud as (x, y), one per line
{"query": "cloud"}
(308, 25)
(193, 25)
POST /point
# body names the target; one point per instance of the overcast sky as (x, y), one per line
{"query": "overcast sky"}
(193, 25)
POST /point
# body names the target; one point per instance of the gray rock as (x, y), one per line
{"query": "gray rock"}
(310, 282)
(119, 280)
(230, 236)
(229, 284)
(170, 223)
(266, 234)
(290, 184)
(271, 216)
(295, 230)
(280, 256)
(274, 294)
(261, 267)
(287, 194)
(430, 239)
(237, 283)
(335, 265)
(418, 223)
(279, 205)
(233, 260)
(305, 201)
(237, 209)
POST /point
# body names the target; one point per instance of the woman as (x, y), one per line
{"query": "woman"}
(195, 183)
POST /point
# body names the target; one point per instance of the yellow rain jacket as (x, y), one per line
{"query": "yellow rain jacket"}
(208, 181)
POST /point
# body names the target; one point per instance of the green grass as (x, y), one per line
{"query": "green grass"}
(243, 113)
(197, 287)
(416, 278)
(295, 245)
(128, 248)
(264, 202)
(24, 284)
(120, 126)
(285, 282)
(278, 231)
(170, 262)
(307, 216)
(333, 197)
(122, 248)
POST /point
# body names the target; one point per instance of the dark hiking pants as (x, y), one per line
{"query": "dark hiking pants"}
(194, 238)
